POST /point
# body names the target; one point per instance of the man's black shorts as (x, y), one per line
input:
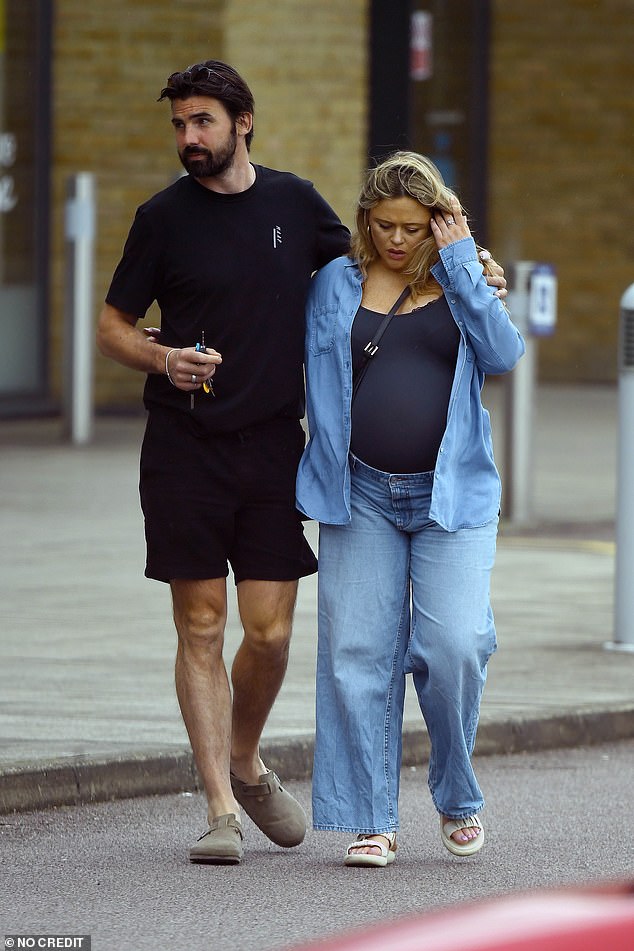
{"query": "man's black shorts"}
(214, 499)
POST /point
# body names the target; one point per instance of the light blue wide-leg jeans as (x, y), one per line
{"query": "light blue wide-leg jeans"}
(398, 594)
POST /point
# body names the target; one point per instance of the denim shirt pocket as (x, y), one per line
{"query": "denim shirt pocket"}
(322, 330)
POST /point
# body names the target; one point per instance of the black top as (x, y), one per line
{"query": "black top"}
(236, 267)
(399, 413)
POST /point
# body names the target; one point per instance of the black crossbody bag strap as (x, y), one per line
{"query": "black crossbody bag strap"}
(372, 346)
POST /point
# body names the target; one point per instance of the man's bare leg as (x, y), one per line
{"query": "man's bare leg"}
(202, 685)
(266, 611)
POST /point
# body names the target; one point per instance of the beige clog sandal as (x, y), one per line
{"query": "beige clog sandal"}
(221, 844)
(272, 808)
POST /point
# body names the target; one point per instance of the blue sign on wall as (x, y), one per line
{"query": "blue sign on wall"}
(542, 300)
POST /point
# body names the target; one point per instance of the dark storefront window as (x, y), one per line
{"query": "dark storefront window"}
(429, 89)
(24, 170)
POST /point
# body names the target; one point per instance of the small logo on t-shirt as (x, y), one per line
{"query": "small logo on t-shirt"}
(277, 235)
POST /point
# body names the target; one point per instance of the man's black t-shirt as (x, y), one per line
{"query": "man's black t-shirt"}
(237, 268)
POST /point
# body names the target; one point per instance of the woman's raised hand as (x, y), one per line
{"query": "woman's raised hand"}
(449, 226)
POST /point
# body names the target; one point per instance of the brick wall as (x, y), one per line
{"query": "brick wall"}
(562, 147)
(305, 65)
(109, 64)
(562, 121)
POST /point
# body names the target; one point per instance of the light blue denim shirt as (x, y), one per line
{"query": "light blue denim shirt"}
(466, 491)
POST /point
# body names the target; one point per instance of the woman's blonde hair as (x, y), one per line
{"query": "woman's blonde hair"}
(402, 173)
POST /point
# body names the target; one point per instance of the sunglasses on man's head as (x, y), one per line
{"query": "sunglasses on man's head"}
(196, 74)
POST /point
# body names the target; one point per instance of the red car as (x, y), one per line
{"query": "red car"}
(593, 919)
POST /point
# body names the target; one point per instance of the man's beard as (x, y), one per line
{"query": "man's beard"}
(209, 164)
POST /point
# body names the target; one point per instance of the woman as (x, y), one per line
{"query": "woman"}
(400, 474)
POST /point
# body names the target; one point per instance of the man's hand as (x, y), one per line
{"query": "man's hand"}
(494, 274)
(188, 369)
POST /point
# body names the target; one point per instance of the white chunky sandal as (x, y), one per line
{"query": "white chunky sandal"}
(386, 857)
(449, 826)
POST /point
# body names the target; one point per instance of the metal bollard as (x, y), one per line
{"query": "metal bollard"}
(517, 497)
(532, 301)
(79, 330)
(624, 574)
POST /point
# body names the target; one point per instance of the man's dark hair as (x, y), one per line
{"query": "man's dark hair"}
(216, 79)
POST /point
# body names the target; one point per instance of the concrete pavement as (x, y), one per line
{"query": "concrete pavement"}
(87, 704)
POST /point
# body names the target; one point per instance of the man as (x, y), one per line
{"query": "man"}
(227, 252)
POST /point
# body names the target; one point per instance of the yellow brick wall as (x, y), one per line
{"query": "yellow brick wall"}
(305, 64)
(561, 136)
(110, 62)
(561, 179)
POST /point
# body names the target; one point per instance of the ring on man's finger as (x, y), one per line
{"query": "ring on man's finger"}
(194, 378)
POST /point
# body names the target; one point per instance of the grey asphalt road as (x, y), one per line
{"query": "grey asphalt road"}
(119, 870)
